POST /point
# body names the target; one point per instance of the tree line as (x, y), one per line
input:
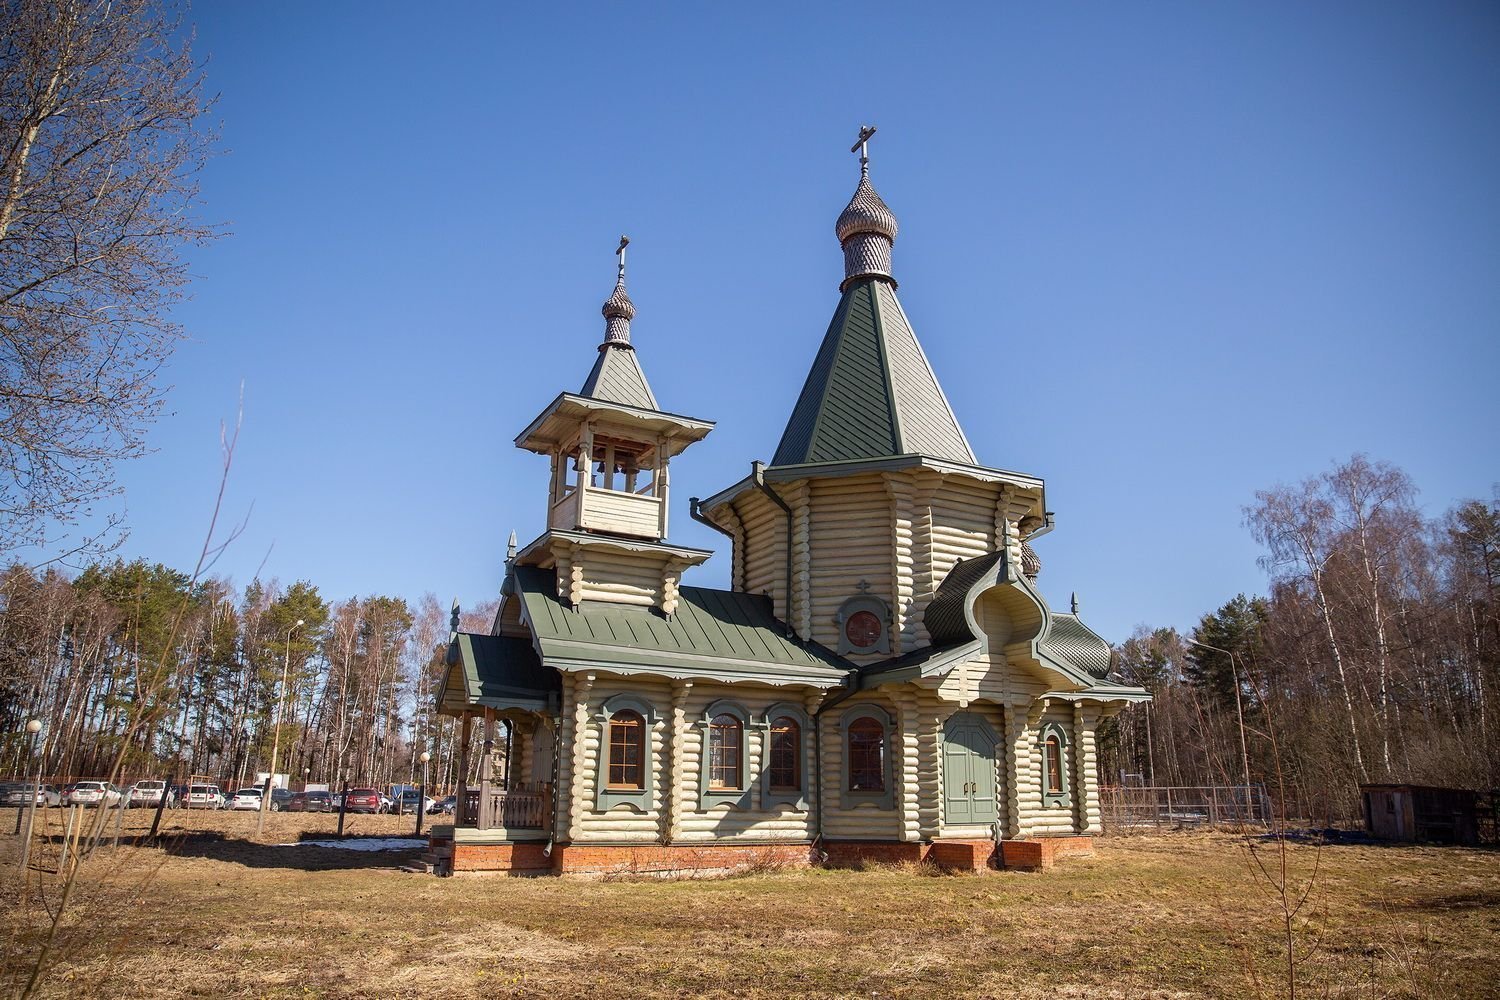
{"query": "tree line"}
(135, 663)
(1375, 656)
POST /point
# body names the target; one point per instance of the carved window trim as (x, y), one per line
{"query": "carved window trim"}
(708, 797)
(871, 605)
(639, 799)
(883, 797)
(798, 798)
(1046, 735)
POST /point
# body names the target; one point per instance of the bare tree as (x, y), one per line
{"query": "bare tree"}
(100, 145)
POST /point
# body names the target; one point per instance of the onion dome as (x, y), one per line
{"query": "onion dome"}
(618, 309)
(867, 226)
(866, 212)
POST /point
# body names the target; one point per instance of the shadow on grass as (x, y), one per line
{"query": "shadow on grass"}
(217, 847)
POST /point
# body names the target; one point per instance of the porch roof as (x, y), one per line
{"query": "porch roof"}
(495, 671)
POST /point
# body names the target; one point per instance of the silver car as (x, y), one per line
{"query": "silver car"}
(149, 793)
(94, 793)
(23, 793)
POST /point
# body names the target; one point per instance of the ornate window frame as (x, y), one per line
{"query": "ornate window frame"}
(884, 798)
(798, 798)
(738, 798)
(874, 606)
(639, 799)
(1055, 731)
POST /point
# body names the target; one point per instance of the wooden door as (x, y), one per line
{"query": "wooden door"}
(969, 794)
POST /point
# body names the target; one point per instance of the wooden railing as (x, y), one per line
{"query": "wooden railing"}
(597, 509)
(525, 807)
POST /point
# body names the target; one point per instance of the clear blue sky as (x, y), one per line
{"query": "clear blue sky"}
(1161, 255)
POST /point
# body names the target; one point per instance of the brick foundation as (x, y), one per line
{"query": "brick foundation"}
(526, 858)
(853, 853)
(964, 855)
(656, 859)
(1041, 854)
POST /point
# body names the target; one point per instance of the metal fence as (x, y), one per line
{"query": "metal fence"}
(1135, 807)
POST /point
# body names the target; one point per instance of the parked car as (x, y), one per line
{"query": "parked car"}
(386, 802)
(23, 793)
(364, 800)
(148, 794)
(320, 802)
(95, 793)
(446, 805)
(406, 802)
(203, 797)
(246, 799)
(279, 798)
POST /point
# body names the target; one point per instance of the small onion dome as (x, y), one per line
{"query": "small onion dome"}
(619, 304)
(1031, 563)
(866, 213)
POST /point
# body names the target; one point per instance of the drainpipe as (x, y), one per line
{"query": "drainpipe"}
(695, 511)
(1049, 521)
(758, 473)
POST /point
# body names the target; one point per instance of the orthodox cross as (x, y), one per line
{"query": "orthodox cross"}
(620, 252)
(862, 147)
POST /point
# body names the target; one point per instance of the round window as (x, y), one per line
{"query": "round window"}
(862, 629)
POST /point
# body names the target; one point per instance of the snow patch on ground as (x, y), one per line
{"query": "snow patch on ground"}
(365, 844)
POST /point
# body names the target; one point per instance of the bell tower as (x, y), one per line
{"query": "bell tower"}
(610, 446)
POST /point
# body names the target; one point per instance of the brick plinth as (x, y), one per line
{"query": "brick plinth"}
(1040, 854)
(853, 853)
(963, 855)
(520, 858)
(655, 859)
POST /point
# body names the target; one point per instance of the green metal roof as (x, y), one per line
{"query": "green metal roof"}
(871, 392)
(618, 378)
(713, 632)
(1072, 640)
(498, 671)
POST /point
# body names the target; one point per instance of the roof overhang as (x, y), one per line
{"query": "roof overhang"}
(1110, 697)
(542, 545)
(553, 426)
(893, 463)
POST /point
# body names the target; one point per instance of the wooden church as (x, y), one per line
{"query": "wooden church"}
(883, 680)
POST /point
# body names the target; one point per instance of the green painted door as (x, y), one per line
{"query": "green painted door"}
(968, 772)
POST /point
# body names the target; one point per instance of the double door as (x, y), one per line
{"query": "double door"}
(968, 772)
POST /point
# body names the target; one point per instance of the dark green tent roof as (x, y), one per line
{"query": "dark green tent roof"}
(871, 392)
(499, 671)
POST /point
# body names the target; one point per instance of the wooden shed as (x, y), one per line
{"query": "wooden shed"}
(1421, 812)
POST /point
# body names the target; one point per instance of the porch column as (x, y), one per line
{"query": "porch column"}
(486, 770)
(465, 734)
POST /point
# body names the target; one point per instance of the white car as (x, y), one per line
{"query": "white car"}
(94, 793)
(245, 799)
(204, 797)
(21, 795)
(149, 793)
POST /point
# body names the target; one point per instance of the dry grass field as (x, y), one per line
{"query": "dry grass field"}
(1172, 916)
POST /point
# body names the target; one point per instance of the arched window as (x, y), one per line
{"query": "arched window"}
(786, 755)
(866, 755)
(627, 741)
(1052, 764)
(1053, 741)
(725, 768)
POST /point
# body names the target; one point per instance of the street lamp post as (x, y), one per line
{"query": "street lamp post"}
(422, 792)
(1239, 710)
(34, 727)
(265, 793)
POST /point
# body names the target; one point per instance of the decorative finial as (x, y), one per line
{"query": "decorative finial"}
(1075, 602)
(862, 147)
(510, 547)
(453, 617)
(618, 309)
(867, 227)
